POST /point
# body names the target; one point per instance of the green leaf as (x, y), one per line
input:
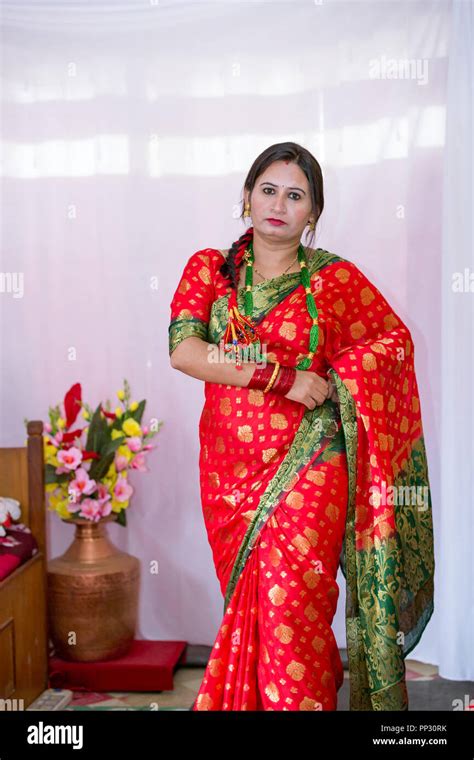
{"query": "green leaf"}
(100, 466)
(138, 413)
(50, 475)
(97, 432)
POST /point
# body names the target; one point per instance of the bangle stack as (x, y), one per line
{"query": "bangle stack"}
(285, 380)
(273, 377)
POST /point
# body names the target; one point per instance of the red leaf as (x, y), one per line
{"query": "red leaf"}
(72, 403)
(67, 437)
(90, 455)
(110, 415)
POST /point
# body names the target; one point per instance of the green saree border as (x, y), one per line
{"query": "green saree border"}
(399, 569)
(185, 327)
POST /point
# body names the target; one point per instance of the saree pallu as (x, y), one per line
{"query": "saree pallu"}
(289, 493)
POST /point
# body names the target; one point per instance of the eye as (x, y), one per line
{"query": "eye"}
(298, 196)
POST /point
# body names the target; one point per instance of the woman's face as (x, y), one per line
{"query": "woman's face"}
(281, 192)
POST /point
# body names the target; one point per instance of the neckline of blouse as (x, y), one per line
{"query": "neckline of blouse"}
(271, 279)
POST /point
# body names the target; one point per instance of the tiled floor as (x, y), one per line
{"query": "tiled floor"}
(187, 680)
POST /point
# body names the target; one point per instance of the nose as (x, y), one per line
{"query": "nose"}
(278, 205)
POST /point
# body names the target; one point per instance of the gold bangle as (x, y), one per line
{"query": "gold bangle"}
(273, 377)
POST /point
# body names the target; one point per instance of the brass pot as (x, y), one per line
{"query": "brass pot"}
(93, 591)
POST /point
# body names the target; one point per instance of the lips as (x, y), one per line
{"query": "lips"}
(276, 222)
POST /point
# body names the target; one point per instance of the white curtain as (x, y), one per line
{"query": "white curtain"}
(455, 540)
(128, 131)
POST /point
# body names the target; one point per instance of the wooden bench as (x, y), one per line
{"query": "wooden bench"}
(23, 606)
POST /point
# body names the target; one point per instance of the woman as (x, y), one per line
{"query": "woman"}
(312, 454)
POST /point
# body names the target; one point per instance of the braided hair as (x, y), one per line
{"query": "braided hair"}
(230, 268)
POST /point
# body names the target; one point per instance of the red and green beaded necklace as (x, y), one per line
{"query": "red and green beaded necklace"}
(241, 329)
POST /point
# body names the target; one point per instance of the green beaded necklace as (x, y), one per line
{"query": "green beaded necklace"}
(310, 302)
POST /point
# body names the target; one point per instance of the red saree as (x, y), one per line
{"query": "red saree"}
(289, 493)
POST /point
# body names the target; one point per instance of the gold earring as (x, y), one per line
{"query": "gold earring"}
(312, 224)
(247, 209)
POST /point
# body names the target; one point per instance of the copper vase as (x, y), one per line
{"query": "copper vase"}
(93, 591)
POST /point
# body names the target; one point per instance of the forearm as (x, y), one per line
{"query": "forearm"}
(197, 358)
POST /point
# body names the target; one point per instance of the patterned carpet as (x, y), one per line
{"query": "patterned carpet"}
(187, 680)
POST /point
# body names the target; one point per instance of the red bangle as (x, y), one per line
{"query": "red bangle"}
(285, 379)
(261, 377)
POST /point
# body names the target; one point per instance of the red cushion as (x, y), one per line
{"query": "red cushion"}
(17, 547)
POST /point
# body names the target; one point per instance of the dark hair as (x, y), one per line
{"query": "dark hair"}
(279, 152)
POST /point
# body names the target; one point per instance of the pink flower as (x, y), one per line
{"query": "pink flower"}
(106, 509)
(82, 485)
(138, 463)
(103, 494)
(148, 446)
(145, 429)
(73, 507)
(122, 490)
(69, 458)
(104, 500)
(121, 462)
(47, 427)
(91, 509)
(134, 443)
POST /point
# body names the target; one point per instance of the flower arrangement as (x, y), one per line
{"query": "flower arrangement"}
(89, 478)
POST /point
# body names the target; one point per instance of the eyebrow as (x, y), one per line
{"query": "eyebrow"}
(290, 188)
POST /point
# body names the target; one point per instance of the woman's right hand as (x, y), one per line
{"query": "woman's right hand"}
(309, 389)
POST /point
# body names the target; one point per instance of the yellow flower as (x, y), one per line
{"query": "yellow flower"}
(117, 506)
(124, 451)
(121, 395)
(131, 427)
(111, 472)
(63, 511)
(117, 434)
(86, 414)
(133, 406)
(50, 455)
(118, 411)
(59, 504)
(61, 423)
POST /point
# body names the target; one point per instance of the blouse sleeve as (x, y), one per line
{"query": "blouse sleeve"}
(192, 301)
